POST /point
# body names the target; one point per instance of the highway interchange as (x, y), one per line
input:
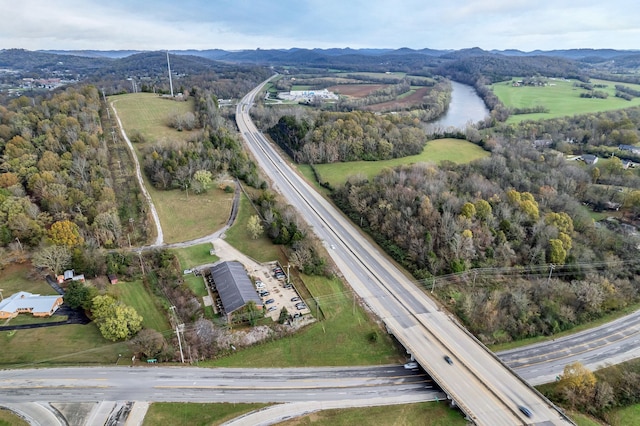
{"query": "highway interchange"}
(611, 343)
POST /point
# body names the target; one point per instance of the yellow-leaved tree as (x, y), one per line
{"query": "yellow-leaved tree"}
(65, 233)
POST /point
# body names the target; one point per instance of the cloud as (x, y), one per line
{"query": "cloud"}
(238, 24)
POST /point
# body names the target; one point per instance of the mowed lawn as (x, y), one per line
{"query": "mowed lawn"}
(456, 150)
(561, 98)
(18, 277)
(195, 414)
(136, 295)
(70, 344)
(423, 413)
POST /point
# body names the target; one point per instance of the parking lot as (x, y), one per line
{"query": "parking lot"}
(272, 279)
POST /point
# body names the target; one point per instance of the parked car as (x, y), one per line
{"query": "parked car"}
(270, 301)
(448, 359)
(295, 299)
(288, 285)
(301, 306)
(260, 284)
(271, 309)
(264, 293)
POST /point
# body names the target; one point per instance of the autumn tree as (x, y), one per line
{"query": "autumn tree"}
(577, 384)
(254, 227)
(54, 258)
(115, 320)
(201, 181)
(65, 233)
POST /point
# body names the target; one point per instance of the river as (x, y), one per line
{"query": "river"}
(465, 107)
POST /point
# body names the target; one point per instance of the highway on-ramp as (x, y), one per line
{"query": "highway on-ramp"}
(484, 388)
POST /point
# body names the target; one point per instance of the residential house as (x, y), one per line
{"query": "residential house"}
(25, 302)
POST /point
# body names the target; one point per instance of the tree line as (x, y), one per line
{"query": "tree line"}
(331, 137)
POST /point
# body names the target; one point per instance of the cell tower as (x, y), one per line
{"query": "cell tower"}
(169, 68)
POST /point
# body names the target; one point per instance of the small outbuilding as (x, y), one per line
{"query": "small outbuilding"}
(234, 287)
(113, 278)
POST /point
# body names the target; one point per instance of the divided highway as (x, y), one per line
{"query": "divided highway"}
(487, 391)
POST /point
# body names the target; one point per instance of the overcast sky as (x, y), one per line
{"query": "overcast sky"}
(267, 24)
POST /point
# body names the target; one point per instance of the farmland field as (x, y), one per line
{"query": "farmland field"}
(407, 100)
(355, 90)
(560, 97)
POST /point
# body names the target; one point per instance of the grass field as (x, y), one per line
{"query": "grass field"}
(148, 113)
(562, 99)
(63, 345)
(456, 150)
(136, 295)
(192, 256)
(17, 277)
(261, 249)
(424, 413)
(7, 418)
(183, 216)
(625, 416)
(193, 414)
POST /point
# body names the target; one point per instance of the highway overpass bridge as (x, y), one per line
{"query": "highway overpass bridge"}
(485, 389)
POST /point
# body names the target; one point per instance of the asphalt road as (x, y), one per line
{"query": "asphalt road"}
(611, 343)
(194, 384)
(487, 391)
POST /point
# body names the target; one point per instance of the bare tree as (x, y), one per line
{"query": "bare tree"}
(54, 258)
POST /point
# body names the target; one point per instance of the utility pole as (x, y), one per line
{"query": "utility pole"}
(179, 328)
(551, 266)
(288, 276)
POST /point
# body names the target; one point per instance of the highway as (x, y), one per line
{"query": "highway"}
(487, 391)
(611, 343)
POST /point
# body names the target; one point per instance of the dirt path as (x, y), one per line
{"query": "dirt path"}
(154, 212)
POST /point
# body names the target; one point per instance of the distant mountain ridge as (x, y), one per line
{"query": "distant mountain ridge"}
(282, 54)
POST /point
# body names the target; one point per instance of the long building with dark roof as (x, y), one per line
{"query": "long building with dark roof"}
(234, 287)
